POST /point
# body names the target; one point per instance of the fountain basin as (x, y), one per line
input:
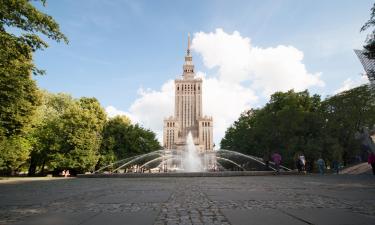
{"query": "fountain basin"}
(188, 174)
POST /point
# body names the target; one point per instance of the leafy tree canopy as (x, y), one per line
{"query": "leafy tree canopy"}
(121, 140)
(69, 133)
(370, 42)
(295, 122)
(18, 92)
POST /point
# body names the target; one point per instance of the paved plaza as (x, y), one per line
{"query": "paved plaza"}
(192, 200)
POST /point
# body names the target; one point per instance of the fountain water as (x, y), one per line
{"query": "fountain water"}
(192, 161)
(188, 160)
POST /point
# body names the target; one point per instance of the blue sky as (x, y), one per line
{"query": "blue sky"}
(117, 47)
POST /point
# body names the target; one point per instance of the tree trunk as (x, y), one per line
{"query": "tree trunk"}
(42, 171)
(32, 167)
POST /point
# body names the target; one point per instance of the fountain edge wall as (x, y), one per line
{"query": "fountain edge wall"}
(189, 174)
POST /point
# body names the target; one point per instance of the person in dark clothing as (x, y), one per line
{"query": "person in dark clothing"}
(321, 165)
(276, 158)
(266, 160)
(299, 164)
(336, 166)
(371, 161)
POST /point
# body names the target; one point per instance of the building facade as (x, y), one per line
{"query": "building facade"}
(369, 66)
(188, 115)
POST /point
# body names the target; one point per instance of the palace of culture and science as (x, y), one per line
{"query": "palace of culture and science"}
(188, 115)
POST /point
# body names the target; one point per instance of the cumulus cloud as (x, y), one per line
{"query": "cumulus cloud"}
(113, 111)
(244, 74)
(224, 102)
(268, 69)
(152, 106)
(351, 83)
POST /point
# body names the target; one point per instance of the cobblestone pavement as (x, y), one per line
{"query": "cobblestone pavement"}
(201, 200)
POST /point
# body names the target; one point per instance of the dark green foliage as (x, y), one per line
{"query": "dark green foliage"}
(295, 122)
(22, 15)
(121, 140)
(19, 95)
(49, 131)
(18, 92)
(69, 134)
(370, 42)
(75, 134)
(19, 98)
(345, 114)
(14, 152)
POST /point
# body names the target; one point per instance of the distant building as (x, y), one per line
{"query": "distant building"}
(188, 115)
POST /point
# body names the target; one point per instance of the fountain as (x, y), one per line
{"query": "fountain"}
(187, 161)
(192, 162)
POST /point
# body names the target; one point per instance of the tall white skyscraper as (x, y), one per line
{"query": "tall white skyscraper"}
(188, 115)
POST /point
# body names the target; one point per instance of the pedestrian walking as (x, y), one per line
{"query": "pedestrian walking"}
(303, 162)
(266, 160)
(321, 165)
(276, 158)
(336, 166)
(298, 164)
(371, 161)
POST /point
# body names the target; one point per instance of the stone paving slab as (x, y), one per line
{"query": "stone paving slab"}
(135, 218)
(115, 198)
(190, 200)
(332, 217)
(87, 218)
(355, 195)
(227, 195)
(260, 217)
(156, 196)
(58, 219)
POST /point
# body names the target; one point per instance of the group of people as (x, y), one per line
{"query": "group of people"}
(65, 173)
(301, 163)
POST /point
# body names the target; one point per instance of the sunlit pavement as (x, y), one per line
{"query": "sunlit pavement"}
(333, 199)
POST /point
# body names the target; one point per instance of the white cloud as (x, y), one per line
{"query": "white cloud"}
(351, 83)
(225, 93)
(112, 111)
(152, 107)
(225, 101)
(267, 69)
(280, 69)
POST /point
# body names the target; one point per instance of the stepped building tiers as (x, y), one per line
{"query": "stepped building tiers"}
(188, 112)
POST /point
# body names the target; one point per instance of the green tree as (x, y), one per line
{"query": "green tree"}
(82, 125)
(18, 92)
(370, 42)
(20, 26)
(295, 122)
(69, 134)
(14, 154)
(121, 140)
(47, 141)
(345, 114)
(288, 124)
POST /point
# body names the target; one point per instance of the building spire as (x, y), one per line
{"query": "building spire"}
(188, 66)
(188, 48)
